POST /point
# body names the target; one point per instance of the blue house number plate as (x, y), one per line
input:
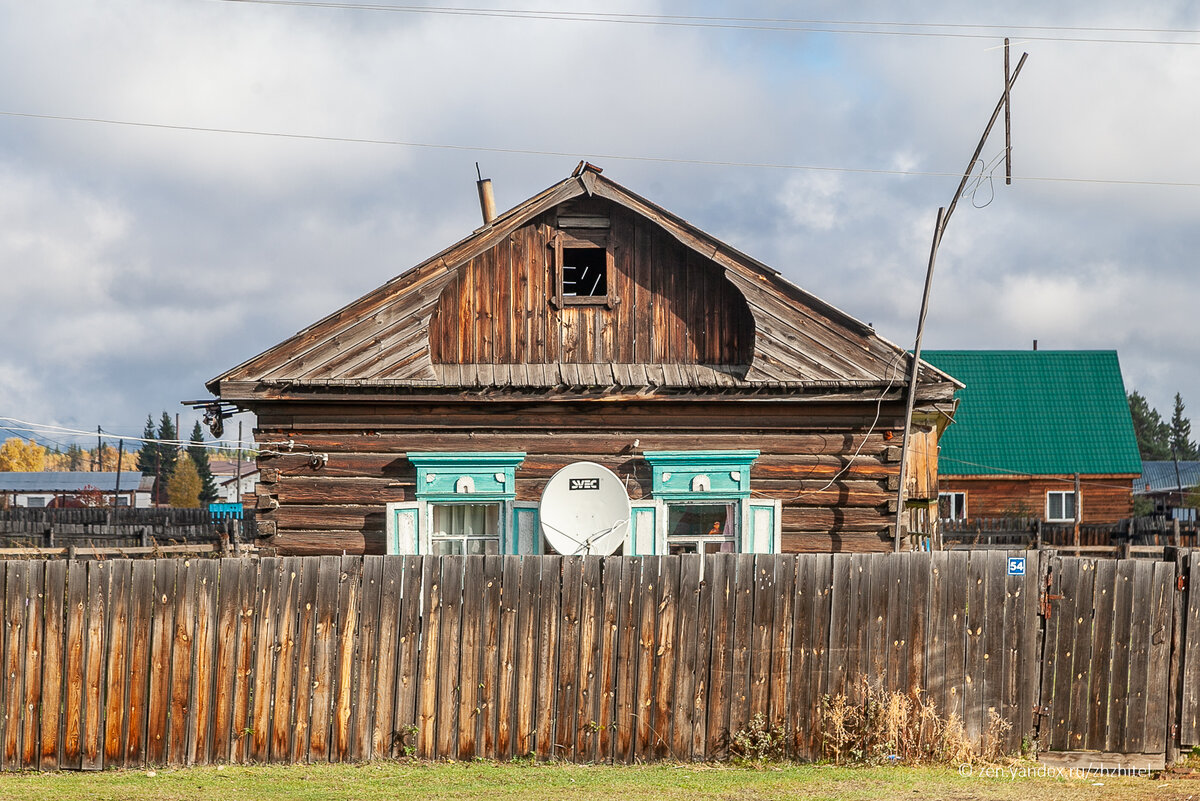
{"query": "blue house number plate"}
(1016, 565)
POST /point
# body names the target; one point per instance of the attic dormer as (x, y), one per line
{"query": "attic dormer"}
(589, 281)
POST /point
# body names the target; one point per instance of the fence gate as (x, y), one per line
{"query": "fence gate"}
(1105, 686)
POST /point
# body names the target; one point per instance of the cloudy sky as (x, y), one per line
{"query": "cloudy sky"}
(138, 260)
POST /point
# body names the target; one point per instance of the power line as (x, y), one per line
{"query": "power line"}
(46, 428)
(750, 23)
(577, 154)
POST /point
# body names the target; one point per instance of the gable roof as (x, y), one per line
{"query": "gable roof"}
(1037, 412)
(381, 340)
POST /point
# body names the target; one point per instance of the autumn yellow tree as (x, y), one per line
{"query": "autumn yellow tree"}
(19, 456)
(183, 490)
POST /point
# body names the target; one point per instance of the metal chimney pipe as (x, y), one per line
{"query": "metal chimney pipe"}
(487, 201)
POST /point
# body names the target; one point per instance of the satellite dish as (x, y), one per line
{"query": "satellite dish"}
(584, 510)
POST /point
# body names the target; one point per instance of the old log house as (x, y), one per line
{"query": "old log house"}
(586, 323)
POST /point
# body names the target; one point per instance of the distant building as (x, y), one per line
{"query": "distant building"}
(1167, 485)
(227, 486)
(1027, 423)
(73, 489)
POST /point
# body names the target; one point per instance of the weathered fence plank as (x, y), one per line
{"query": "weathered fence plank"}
(583, 658)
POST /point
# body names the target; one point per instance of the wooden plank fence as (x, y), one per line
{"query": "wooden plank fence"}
(314, 659)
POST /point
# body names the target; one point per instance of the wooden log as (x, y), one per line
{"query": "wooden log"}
(141, 615)
(526, 656)
(116, 665)
(54, 604)
(721, 570)
(383, 698)
(410, 660)
(666, 655)
(471, 643)
(349, 595)
(547, 641)
(305, 681)
(506, 677)
(487, 621)
(284, 690)
(566, 691)
(162, 641)
(16, 595)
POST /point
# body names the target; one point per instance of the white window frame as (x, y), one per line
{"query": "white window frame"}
(1076, 512)
(963, 506)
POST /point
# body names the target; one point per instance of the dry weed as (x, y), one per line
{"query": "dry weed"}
(879, 726)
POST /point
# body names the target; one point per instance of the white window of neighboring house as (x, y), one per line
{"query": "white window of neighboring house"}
(1060, 506)
(952, 505)
(465, 528)
(702, 528)
(35, 501)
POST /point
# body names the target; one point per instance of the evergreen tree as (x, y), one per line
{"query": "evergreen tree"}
(1181, 432)
(1153, 435)
(74, 457)
(183, 488)
(199, 454)
(148, 454)
(165, 457)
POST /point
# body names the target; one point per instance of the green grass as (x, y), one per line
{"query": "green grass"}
(558, 782)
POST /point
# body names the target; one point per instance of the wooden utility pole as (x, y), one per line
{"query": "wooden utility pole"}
(117, 490)
(943, 219)
(238, 473)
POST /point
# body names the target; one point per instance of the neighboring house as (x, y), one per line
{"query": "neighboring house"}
(586, 324)
(55, 489)
(228, 487)
(225, 478)
(1167, 485)
(1027, 424)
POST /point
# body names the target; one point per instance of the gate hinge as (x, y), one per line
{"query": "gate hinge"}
(1046, 609)
(1181, 582)
(1041, 710)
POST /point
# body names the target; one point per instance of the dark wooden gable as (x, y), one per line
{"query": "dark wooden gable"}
(683, 310)
(662, 302)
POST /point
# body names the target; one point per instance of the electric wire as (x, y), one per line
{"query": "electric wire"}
(46, 429)
(748, 23)
(584, 154)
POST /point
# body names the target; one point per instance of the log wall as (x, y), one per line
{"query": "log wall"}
(837, 482)
(1106, 499)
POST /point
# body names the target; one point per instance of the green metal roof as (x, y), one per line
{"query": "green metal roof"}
(1040, 412)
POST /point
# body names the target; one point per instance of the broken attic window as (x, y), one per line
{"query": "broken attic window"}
(584, 272)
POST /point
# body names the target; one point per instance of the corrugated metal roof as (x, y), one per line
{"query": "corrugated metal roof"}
(1161, 476)
(52, 481)
(1038, 412)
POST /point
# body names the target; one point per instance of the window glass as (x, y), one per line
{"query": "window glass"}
(39, 502)
(1060, 505)
(466, 528)
(952, 505)
(701, 528)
